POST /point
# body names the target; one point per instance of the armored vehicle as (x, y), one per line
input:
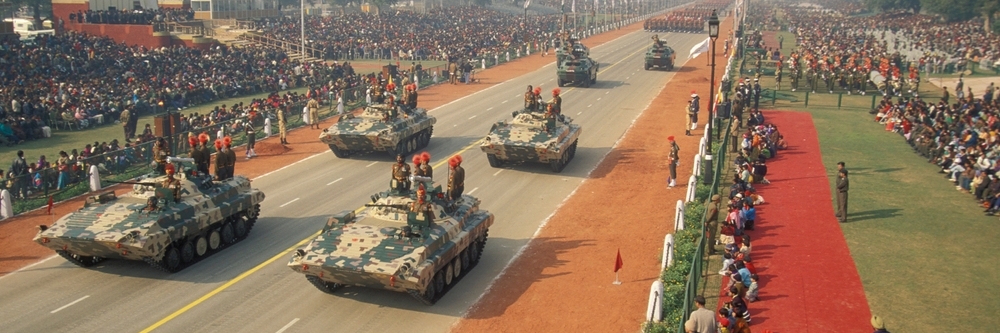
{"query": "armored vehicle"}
(660, 55)
(380, 127)
(532, 136)
(412, 241)
(568, 46)
(580, 71)
(166, 221)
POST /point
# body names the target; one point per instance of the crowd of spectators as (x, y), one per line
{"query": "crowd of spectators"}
(959, 132)
(133, 16)
(439, 34)
(77, 80)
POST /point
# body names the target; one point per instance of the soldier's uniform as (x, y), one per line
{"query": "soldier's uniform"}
(230, 158)
(220, 161)
(556, 102)
(160, 154)
(795, 79)
(674, 158)
(313, 113)
(529, 99)
(400, 175)
(172, 184)
(282, 130)
(456, 178)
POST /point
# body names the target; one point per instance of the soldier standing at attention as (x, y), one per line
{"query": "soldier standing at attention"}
(313, 113)
(417, 170)
(412, 103)
(842, 186)
(456, 178)
(556, 102)
(453, 70)
(538, 99)
(529, 100)
(425, 165)
(692, 114)
(172, 183)
(712, 221)
(124, 118)
(220, 161)
(756, 94)
(230, 157)
(400, 173)
(204, 157)
(734, 136)
(282, 130)
(672, 161)
(251, 137)
(194, 153)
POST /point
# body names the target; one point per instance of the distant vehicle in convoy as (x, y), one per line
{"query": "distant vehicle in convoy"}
(660, 55)
(380, 127)
(167, 225)
(532, 136)
(573, 63)
(414, 241)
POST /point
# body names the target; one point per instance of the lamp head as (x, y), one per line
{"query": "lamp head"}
(713, 25)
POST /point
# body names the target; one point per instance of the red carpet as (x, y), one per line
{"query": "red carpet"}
(808, 281)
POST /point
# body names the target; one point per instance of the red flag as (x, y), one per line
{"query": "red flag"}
(49, 209)
(618, 261)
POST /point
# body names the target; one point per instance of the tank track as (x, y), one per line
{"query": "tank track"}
(474, 259)
(82, 261)
(326, 287)
(163, 266)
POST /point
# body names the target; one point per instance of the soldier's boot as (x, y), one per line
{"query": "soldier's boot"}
(687, 132)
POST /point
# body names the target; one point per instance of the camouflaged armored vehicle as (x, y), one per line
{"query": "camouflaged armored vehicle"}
(149, 224)
(395, 244)
(577, 71)
(395, 130)
(567, 47)
(532, 136)
(660, 55)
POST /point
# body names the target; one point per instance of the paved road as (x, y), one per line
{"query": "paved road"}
(241, 290)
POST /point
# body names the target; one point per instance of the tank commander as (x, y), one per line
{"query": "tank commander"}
(230, 157)
(456, 178)
(417, 170)
(172, 183)
(400, 175)
(422, 206)
(538, 99)
(160, 153)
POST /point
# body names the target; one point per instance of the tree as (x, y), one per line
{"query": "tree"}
(954, 10)
(343, 4)
(890, 5)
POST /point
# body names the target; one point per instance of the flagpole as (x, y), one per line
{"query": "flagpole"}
(616, 280)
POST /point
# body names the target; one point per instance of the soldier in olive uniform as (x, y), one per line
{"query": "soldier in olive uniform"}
(456, 178)
(230, 157)
(556, 102)
(400, 175)
(811, 78)
(795, 79)
(313, 113)
(220, 160)
(843, 186)
(425, 165)
(160, 153)
(712, 222)
(672, 161)
(828, 80)
(172, 183)
(529, 99)
(849, 78)
(282, 129)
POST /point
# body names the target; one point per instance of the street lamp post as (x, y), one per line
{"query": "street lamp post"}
(713, 34)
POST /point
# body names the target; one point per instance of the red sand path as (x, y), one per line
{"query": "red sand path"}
(808, 281)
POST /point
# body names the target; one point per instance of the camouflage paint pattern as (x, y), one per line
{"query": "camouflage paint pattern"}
(369, 249)
(525, 138)
(121, 227)
(374, 130)
(581, 71)
(660, 56)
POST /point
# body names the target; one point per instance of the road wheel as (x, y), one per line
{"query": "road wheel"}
(439, 281)
(228, 236)
(214, 239)
(557, 165)
(430, 293)
(187, 251)
(449, 273)
(465, 258)
(76, 259)
(494, 161)
(646, 66)
(572, 151)
(457, 267)
(200, 246)
(474, 252)
(171, 260)
(239, 226)
(560, 82)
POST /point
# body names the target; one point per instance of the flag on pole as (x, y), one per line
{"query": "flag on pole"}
(48, 210)
(526, 3)
(618, 261)
(699, 49)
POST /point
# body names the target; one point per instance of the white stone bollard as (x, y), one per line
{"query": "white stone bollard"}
(267, 127)
(484, 63)
(701, 146)
(6, 207)
(95, 179)
(654, 310)
(692, 185)
(668, 252)
(696, 169)
(679, 216)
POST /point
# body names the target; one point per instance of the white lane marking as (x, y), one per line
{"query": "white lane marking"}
(331, 183)
(607, 92)
(470, 118)
(289, 166)
(29, 266)
(626, 79)
(504, 101)
(371, 164)
(599, 98)
(578, 113)
(491, 108)
(70, 304)
(590, 105)
(290, 202)
(288, 325)
(515, 95)
(550, 80)
(473, 190)
(498, 172)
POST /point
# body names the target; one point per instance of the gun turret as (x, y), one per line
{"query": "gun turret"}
(134, 183)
